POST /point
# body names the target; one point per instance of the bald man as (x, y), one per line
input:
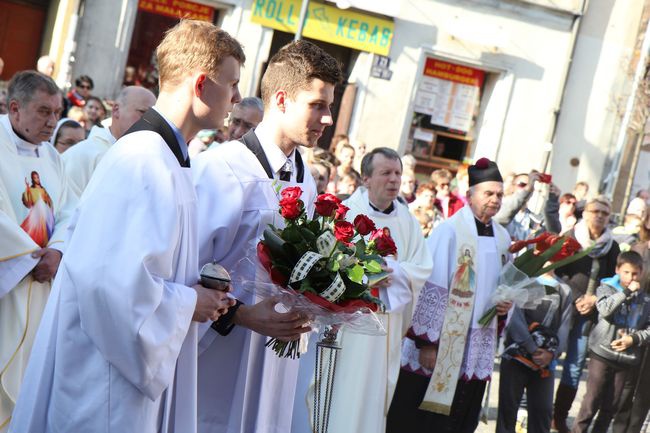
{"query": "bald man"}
(80, 160)
(45, 65)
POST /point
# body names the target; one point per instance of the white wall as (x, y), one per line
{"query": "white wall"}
(527, 47)
(597, 91)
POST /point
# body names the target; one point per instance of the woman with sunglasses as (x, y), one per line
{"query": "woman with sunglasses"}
(83, 86)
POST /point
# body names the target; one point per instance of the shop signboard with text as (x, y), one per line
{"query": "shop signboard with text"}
(327, 23)
(178, 9)
(449, 94)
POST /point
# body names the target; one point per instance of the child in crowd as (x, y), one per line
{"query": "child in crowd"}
(615, 342)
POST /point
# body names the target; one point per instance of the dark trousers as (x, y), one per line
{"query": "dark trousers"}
(513, 379)
(635, 399)
(404, 415)
(604, 387)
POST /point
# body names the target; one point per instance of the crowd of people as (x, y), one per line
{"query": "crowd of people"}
(108, 211)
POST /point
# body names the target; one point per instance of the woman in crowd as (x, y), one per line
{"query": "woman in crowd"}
(407, 187)
(567, 212)
(95, 112)
(67, 133)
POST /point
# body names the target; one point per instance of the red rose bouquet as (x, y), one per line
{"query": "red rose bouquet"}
(325, 262)
(518, 280)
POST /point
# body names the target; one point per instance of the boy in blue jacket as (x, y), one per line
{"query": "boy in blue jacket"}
(615, 342)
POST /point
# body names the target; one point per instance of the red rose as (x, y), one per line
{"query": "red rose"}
(343, 231)
(384, 243)
(292, 192)
(290, 208)
(363, 224)
(264, 255)
(327, 204)
(341, 211)
(569, 248)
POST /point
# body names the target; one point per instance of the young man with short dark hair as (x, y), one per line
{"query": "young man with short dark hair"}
(244, 387)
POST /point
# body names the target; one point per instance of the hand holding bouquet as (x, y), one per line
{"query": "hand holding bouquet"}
(327, 265)
(517, 281)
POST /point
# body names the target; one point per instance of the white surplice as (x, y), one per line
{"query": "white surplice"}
(116, 349)
(243, 386)
(31, 217)
(429, 314)
(368, 366)
(81, 159)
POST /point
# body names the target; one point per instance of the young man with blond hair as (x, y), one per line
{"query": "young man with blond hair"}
(117, 348)
(244, 387)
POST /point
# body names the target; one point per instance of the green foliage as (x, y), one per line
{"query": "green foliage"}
(372, 266)
(355, 273)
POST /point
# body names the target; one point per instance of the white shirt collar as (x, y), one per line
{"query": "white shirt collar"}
(23, 147)
(103, 133)
(273, 153)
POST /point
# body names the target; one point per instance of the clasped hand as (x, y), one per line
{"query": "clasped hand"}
(48, 264)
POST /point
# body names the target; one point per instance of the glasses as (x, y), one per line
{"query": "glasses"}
(67, 143)
(85, 86)
(598, 212)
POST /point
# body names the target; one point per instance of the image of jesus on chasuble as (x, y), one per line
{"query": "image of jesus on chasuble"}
(465, 277)
(39, 222)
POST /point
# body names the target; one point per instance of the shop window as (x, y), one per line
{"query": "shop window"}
(443, 121)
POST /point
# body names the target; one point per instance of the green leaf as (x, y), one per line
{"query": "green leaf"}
(372, 266)
(305, 286)
(274, 243)
(333, 265)
(314, 226)
(564, 262)
(374, 279)
(307, 234)
(355, 273)
(292, 234)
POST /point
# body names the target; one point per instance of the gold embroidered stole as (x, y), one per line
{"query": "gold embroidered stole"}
(458, 318)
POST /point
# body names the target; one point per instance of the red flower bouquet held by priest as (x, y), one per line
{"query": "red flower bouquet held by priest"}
(324, 266)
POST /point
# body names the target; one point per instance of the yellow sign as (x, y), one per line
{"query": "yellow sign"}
(327, 23)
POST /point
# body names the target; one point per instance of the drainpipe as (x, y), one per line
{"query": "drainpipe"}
(577, 21)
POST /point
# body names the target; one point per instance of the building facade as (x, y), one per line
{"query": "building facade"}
(533, 84)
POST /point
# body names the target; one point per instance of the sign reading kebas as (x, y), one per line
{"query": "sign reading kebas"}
(327, 23)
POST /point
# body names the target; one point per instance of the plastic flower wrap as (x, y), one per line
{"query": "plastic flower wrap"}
(518, 281)
(324, 266)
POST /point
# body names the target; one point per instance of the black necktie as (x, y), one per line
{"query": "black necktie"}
(285, 171)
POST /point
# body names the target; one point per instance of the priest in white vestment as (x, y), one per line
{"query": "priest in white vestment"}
(447, 357)
(368, 366)
(82, 159)
(243, 386)
(35, 206)
(117, 347)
